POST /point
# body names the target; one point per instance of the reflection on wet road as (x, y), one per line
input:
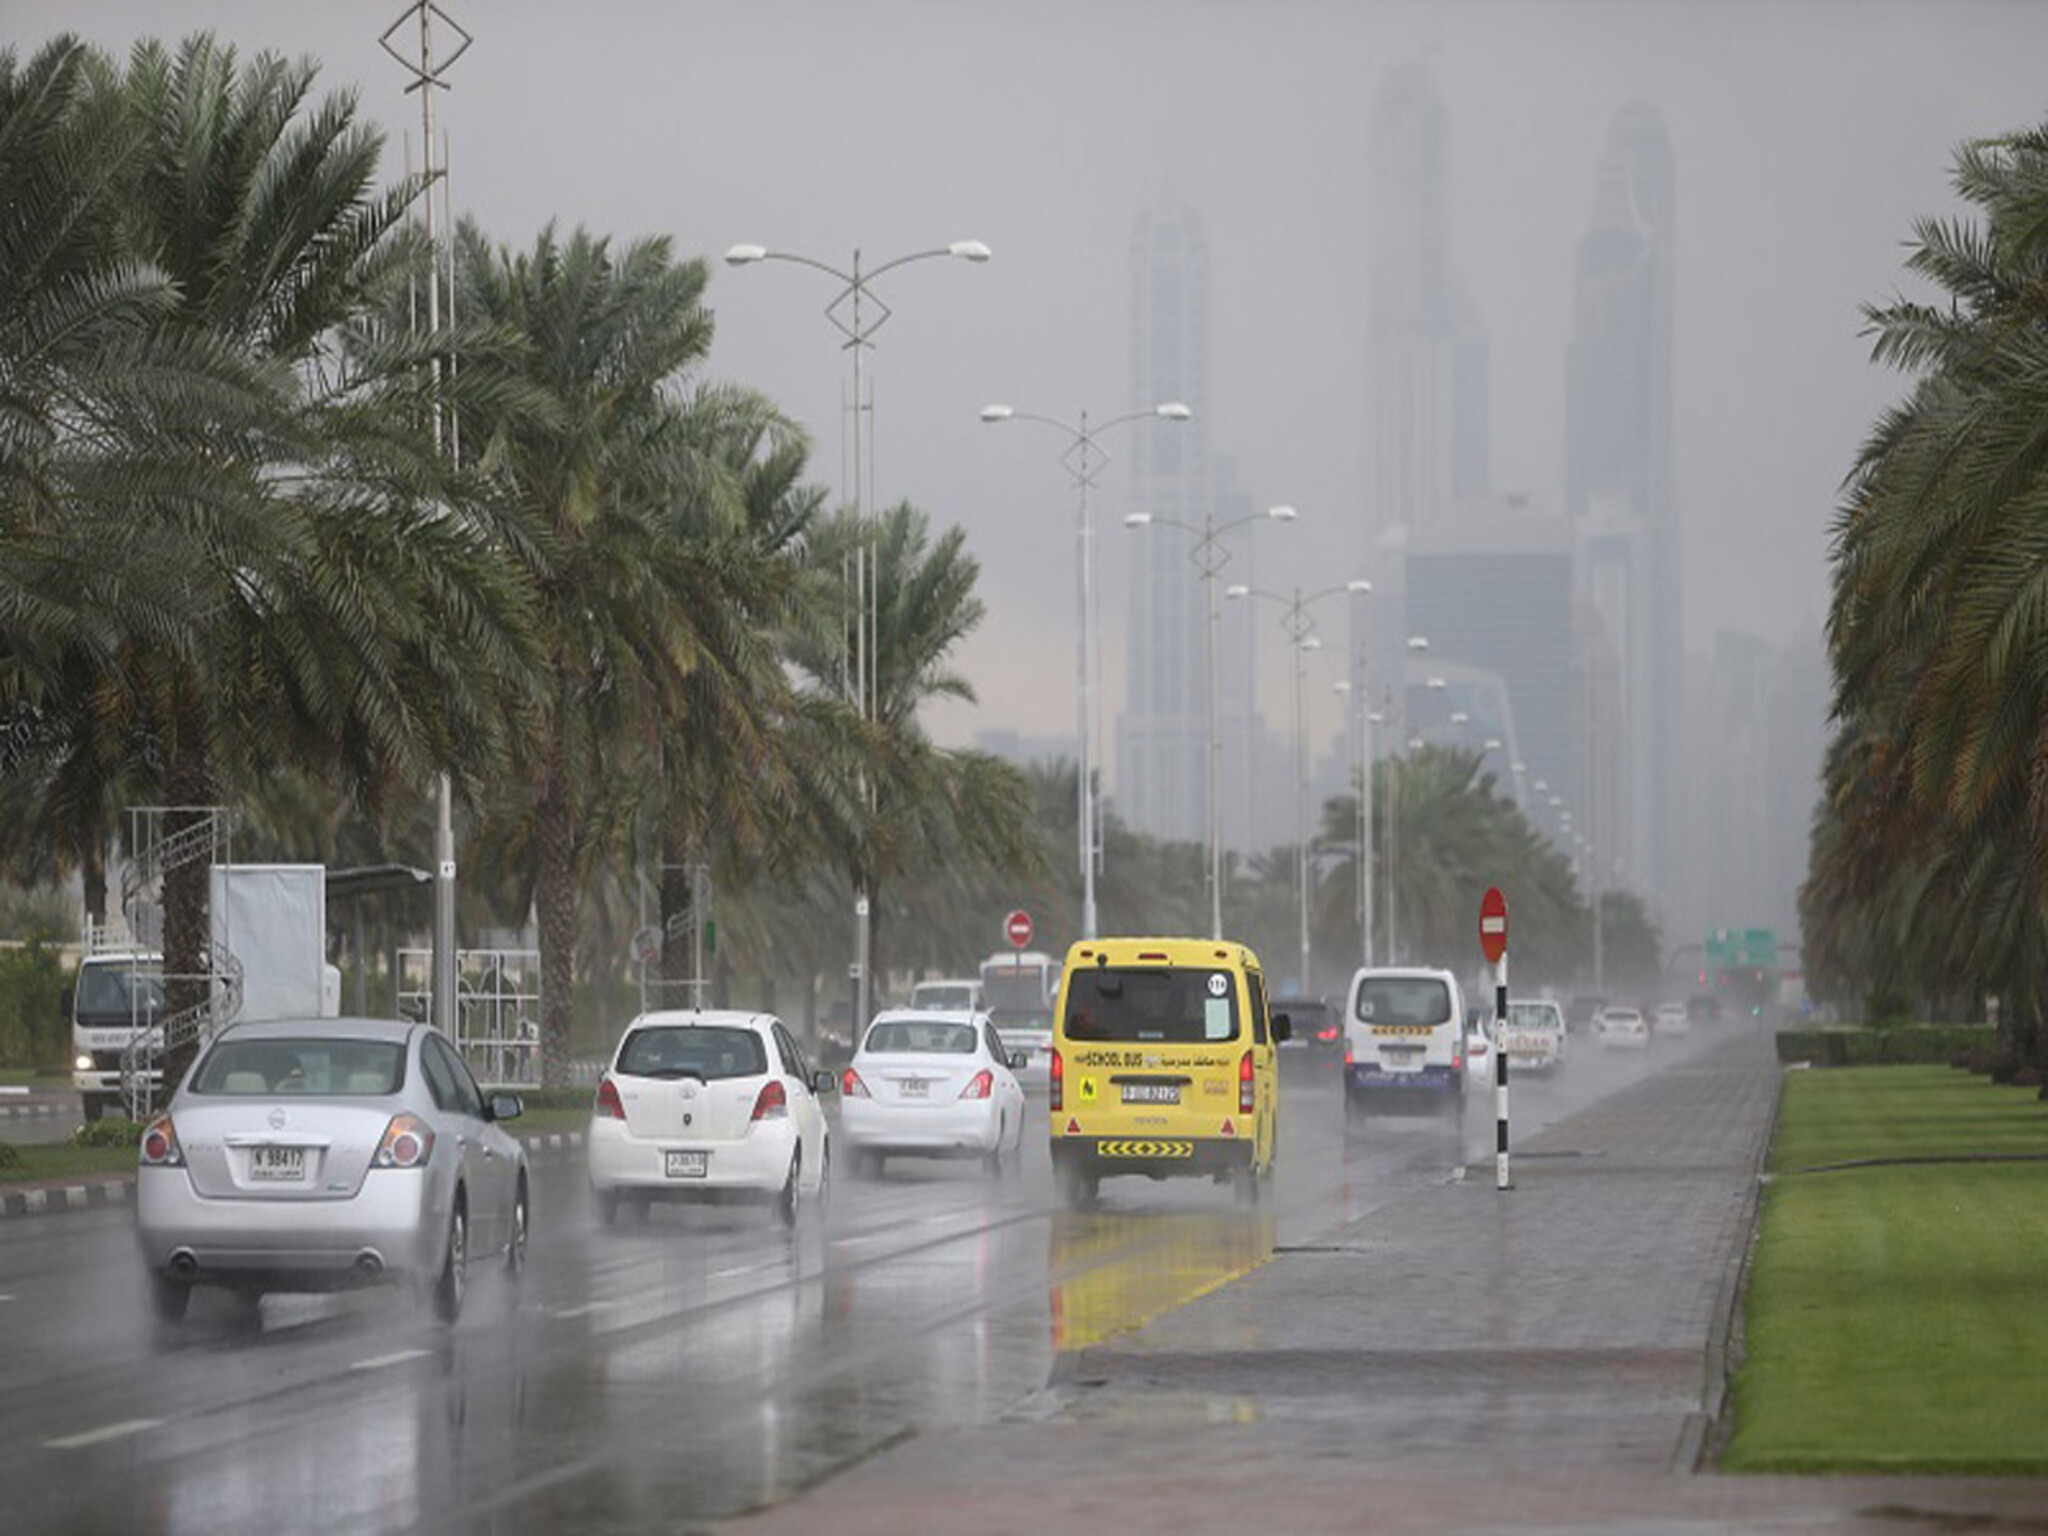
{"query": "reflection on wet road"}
(649, 1377)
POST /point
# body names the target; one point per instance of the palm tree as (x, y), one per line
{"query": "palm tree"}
(592, 476)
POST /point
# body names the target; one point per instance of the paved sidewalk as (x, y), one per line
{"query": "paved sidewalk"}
(1461, 1360)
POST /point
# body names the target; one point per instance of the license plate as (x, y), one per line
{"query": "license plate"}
(283, 1164)
(687, 1165)
(1151, 1093)
(914, 1088)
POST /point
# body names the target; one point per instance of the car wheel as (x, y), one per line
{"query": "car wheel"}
(992, 1160)
(1077, 1189)
(607, 1206)
(515, 1246)
(785, 1203)
(93, 1107)
(875, 1165)
(1247, 1186)
(453, 1283)
(823, 1198)
(169, 1298)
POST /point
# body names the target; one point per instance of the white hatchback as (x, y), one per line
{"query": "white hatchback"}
(1671, 1019)
(709, 1106)
(1623, 1026)
(929, 1084)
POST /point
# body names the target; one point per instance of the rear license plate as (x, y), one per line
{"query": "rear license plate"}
(914, 1088)
(1151, 1093)
(284, 1165)
(687, 1165)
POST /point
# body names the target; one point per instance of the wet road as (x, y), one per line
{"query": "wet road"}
(653, 1377)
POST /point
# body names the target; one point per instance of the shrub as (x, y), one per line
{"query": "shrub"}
(108, 1133)
(9, 1158)
(1959, 1045)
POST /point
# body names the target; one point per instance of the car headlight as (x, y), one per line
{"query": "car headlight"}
(82, 1062)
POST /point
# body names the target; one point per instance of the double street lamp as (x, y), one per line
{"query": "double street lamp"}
(857, 313)
(1210, 557)
(1300, 629)
(1085, 461)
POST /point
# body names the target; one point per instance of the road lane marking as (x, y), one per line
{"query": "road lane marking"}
(96, 1436)
(396, 1357)
(738, 1269)
(585, 1310)
(5, 1297)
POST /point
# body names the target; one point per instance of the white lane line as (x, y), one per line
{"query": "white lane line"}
(5, 1297)
(738, 1269)
(95, 1436)
(396, 1357)
(585, 1310)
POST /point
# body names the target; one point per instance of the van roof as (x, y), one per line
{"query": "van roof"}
(1162, 950)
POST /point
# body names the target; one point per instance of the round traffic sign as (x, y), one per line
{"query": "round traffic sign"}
(1493, 925)
(1017, 928)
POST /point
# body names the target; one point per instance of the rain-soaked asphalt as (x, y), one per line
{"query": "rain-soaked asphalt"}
(651, 1377)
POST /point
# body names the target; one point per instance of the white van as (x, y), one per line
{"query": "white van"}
(1404, 1042)
(947, 995)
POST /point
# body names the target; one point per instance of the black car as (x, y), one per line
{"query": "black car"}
(1314, 1047)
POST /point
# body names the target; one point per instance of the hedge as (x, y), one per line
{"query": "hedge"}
(1904, 1044)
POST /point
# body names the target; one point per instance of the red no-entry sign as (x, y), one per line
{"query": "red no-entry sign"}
(1017, 928)
(1493, 925)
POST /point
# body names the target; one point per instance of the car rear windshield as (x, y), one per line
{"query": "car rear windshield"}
(1171, 1005)
(1411, 1000)
(922, 1037)
(331, 1068)
(704, 1051)
(1534, 1015)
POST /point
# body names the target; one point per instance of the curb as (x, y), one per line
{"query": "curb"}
(58, 1199)
(117, 1189)
(35, 1110)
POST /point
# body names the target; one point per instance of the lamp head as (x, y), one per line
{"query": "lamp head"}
(1137, 519)
(996, 413)
(740, 255)
(1437, 685)
(969, 250)
(1237, 589)
(1310, 643)
(1358, 585)
(1418, 642)
(1281, 514)
(1172, 410)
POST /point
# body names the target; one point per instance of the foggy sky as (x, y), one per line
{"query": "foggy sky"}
(1806, 139)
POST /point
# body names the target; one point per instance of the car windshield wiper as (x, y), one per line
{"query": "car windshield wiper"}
(670, 1074)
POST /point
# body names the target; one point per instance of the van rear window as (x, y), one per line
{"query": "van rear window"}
(1410, 1000)
(1152, 1005)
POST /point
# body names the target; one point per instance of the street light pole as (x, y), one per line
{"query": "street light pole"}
(1300, 634)
(1085, 461)
(858, 327)
(1210, 556)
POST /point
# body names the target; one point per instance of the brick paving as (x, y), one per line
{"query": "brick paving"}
(1462, 1359)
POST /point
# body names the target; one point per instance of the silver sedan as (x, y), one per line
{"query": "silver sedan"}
(320, 1153)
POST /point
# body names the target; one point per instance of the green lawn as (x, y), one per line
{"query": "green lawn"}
(1894, 1318)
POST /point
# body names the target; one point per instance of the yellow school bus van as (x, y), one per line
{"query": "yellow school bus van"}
(1163, 1066)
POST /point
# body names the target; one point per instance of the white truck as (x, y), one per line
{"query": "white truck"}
(1533, 1035)
(270, 942)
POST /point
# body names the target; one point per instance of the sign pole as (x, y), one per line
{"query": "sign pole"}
(1501, 1181)
(1493, 943)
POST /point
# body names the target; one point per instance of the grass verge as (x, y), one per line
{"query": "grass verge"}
(1893, 1319)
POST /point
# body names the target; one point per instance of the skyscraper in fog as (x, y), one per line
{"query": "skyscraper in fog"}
(1619, 476)
(1163, 735)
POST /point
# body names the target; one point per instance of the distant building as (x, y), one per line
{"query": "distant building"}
(1619, 476)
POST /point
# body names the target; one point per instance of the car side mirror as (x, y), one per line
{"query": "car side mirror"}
(1018, 1061)
(505, 1106)
(1283, 1028)
(823, 1081)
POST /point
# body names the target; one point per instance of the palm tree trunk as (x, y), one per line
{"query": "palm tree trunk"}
(187, 947)
(555, 903)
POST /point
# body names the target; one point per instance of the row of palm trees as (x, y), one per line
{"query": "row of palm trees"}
(269, 544)
(1930, 847)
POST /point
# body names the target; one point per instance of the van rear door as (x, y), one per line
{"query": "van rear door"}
(1159, 1051)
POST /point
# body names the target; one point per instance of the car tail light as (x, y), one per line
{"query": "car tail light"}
(1348, 1059)
(1057, 1082)
(1457, 1061)
(980, 1086)
(160, 1147)
(773, 1103)
(1327, 1033)
(608, 1106)
(408, 1143)
(1245, 1083)
(851, 1087)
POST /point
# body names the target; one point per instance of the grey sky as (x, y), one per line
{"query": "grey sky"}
(1806, 139)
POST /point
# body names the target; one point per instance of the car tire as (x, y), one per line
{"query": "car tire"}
(821, 1201)
(452, 1284)
(92, 1106)
(1077, 1189)
(169, 1298)
(786, 1202)
(515, 1245)
(607, 1206)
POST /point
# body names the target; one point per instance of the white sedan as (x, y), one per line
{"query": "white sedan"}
(932, 1085)
(1671, 1019)
(1623, 1026)
(709, 1106)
